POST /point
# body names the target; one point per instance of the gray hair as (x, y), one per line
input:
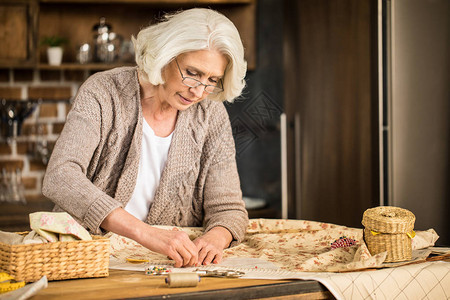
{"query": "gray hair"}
(191, 30)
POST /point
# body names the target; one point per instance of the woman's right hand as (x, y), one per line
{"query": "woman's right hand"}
(173, 243)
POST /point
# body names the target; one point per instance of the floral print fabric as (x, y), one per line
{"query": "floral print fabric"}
(292, 245)
(58, 226)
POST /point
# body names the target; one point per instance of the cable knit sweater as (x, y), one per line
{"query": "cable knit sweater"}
(94, 164)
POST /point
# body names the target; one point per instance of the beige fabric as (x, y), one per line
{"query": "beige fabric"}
(428, 280)
(94, 165)
(11, 238)
(292, 245)
(58, 226)
(302, 250)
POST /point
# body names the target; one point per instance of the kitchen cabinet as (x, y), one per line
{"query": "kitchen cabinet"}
(74, 20)
(331, 102)
(367, 94)
(18, 24)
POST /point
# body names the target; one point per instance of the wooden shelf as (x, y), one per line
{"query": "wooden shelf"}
(74, 19)
(154, 2)
(77, 66)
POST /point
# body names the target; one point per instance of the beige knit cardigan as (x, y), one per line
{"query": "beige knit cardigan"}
(94, 164)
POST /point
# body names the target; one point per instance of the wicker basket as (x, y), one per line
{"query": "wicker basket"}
(390, 229)
(57, 260)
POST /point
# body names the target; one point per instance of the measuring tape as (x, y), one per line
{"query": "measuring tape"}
(7, 283)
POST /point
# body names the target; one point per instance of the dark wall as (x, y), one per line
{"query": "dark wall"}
(255, 117)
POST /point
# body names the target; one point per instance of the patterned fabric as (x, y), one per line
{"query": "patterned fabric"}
(94, 165)
(343, 242)
(305, 246)
(417, 281)
(303, 250)
(429, 280)
(58, 227)
(292, 245)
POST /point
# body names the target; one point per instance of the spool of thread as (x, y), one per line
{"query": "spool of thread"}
(182, 279)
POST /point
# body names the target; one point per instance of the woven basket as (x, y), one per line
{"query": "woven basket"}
(57, 260)
(390, 229)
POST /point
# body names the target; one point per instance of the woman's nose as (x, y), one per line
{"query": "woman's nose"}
(198, 90)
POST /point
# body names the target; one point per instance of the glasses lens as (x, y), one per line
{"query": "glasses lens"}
(213, 89)
(210, 89)
(191, 82)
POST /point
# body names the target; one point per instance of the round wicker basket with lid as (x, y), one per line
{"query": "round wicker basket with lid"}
(389, 228)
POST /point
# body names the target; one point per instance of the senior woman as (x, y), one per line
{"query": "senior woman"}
(152, 144)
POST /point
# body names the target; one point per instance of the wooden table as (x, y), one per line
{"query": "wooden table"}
(136, 285)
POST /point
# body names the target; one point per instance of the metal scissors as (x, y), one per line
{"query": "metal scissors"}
(219, 273)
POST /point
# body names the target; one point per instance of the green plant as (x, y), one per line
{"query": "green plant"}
(54, 41)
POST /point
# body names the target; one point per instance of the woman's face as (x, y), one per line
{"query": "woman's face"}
(207, 66)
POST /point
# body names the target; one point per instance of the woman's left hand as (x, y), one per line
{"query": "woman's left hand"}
(210, 245)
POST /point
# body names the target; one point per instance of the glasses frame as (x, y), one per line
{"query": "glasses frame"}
(216, 89)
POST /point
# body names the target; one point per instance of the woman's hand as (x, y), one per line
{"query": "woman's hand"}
(175, 244)
(210, 245)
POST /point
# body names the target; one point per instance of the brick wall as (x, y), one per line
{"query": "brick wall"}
(42, 127)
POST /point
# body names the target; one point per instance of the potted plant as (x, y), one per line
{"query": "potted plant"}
(55, 48)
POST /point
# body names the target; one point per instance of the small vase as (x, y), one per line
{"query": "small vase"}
(54, 55)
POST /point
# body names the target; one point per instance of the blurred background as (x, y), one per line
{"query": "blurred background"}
(346, 105)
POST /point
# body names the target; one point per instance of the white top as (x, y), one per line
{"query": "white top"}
(153, 159)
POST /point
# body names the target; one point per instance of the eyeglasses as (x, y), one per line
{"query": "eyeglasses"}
(193, 83)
